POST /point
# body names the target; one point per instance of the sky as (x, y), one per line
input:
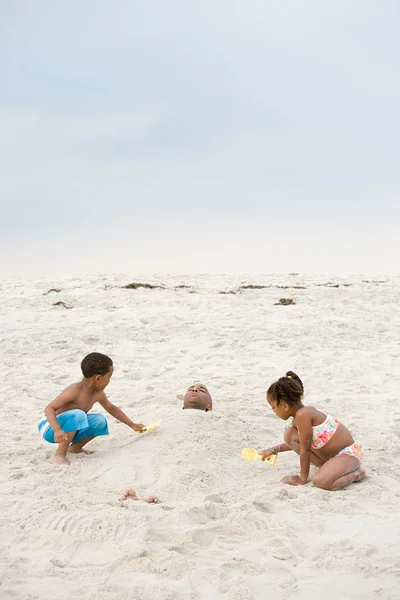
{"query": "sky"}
(188, 136)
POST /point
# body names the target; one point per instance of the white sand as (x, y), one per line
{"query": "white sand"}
(225, 529)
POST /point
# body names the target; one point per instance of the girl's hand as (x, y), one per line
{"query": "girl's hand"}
(292, 480)
(265, 453)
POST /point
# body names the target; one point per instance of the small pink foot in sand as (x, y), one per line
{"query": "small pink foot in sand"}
(60, 460)
(152, 500)
(129, 493)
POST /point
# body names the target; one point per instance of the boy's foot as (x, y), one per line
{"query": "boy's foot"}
(60, 460)
(79, 450)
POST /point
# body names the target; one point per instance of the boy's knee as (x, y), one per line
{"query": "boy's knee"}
(98, 423)
(76, 413)
(72, 420)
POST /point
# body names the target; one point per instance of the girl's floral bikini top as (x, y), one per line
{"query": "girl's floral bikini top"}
(324, 432)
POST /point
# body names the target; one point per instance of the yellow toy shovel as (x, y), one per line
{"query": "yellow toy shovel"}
(150, 427)
(251, 454)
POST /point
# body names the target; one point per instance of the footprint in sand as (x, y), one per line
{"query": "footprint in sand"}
(201, 515)
(214, 498)
(204, 537)
(263, 507)
(279, 548)
(17, 475)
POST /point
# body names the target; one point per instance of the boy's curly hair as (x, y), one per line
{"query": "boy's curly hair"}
(95, 364)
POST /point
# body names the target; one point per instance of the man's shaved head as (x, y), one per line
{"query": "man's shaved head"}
(198, 397)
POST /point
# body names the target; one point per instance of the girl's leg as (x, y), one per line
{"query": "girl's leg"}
(338, 472)
(292, 439)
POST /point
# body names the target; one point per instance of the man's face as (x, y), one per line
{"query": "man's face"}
(198, 397)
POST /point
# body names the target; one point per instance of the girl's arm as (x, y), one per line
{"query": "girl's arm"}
(283, 447)
(304, 426)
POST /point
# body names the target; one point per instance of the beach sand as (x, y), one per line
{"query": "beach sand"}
(225, 529)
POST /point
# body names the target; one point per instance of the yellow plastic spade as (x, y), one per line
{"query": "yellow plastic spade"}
(251, 454)
(150, 427)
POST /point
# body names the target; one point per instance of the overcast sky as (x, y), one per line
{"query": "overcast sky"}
(199, 136)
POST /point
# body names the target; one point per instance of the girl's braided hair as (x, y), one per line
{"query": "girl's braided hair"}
(287, 389)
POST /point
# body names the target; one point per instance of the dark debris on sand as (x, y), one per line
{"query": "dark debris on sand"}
(333, 285)
(147, 286)
(285, 302)
(61, 303)
(278, 287)
(56, 290)
(251, 286)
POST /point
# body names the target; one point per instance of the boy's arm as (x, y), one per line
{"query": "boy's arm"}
(118, 414)
(66, 397)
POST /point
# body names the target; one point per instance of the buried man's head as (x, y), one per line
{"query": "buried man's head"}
(198, 397)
